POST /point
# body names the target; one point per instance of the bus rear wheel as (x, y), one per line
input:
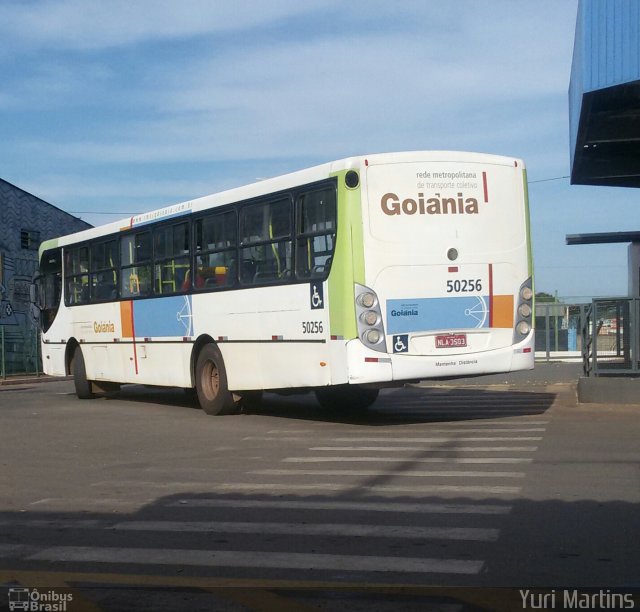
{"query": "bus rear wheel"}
(213, 393)
(346, 398)
(83, 387)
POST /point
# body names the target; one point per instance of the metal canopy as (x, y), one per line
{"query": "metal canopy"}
(607, 150)
(603, 238)
(604, 94)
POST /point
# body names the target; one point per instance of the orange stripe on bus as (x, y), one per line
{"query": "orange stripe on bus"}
(502, 311)
(126, 319)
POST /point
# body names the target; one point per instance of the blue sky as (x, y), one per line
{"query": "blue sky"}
(123, 106)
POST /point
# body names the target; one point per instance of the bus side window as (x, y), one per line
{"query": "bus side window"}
(216, 239)
(104, 275)
(77, 275)
(316, 232)
(135, 259)
(265, 232)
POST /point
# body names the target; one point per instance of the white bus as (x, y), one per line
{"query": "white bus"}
(338, 279)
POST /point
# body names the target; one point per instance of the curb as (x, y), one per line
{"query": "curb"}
(28, 380)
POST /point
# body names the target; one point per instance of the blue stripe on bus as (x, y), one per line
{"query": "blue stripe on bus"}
(431, 314)
(163, 317)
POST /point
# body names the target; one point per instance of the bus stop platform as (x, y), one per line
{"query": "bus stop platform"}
(544, 373)
(608, 390)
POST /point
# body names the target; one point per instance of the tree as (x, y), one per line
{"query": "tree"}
(542, 297)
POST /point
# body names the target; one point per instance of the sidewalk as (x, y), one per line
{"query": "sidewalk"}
(24, 379)
(544, 373)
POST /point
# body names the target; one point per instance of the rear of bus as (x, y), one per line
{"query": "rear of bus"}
(447, 268)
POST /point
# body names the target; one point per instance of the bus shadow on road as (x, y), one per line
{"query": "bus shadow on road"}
(405, 405)
(415, 405)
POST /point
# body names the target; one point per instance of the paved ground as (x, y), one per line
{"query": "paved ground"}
(143, 502)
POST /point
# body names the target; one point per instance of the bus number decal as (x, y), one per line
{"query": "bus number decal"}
(464, 285)
(312, 327)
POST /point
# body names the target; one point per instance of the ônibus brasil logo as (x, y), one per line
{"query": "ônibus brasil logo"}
(34, 600)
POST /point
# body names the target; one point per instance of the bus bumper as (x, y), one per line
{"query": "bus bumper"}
(367, 366)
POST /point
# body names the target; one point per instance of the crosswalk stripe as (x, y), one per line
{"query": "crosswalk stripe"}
(405, 474)
(421, 508)
(488, 423)
(310, 529)
(257, 559)
(371, 489)
(478, 460)
(484, 429)
(426, 449)
(454, 411)
(457, 429)
(428, 440)
(10, 550)
(289, 431)
(385, 439)
(498, 403)
(482, 424)
(475, 397)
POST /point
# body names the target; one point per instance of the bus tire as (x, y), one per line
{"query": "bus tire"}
(211, 382)
(346, 398)
(84, 389)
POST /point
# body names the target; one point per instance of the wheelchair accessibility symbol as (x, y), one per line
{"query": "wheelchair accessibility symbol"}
(316, 296)
(401, 343)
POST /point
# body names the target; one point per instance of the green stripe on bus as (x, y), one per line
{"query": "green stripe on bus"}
(46, 246)
(348, 259)
(527, 221)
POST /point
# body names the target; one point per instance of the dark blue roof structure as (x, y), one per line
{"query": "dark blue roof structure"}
(604, 94)
(603, 238)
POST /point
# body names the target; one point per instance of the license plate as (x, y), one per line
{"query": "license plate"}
(451, 341)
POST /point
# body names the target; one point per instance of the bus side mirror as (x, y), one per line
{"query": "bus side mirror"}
(32, 293)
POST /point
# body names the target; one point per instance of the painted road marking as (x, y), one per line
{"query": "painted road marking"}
(387, 439)
(439, 440)
(371, 489)
(257, 559)
(405, 474)
(481, 460)
(313, 529)
(426, 449)
(10, 550)
(346, 505)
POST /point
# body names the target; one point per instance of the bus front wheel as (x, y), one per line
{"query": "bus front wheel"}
(83, 386)
(211, 382)
(347, 398)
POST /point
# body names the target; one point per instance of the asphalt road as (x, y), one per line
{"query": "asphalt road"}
(142, 502)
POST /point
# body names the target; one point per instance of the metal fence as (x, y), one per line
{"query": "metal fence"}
(19, 350)
(559, 331)
(611, 342)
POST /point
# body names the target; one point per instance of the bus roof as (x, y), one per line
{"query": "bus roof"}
(281, 183)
